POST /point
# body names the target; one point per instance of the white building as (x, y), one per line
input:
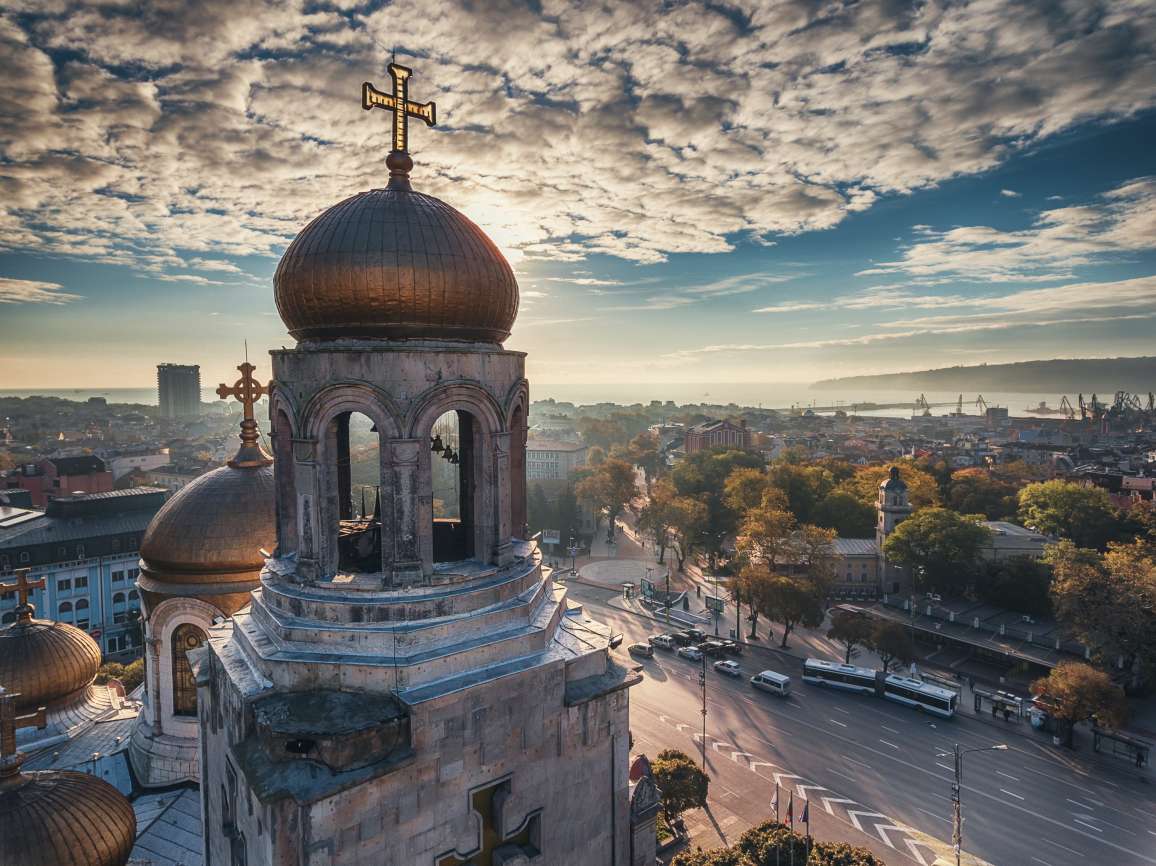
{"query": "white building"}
(550, 460)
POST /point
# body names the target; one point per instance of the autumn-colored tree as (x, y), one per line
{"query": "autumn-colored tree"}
(892, 643)
(744, 489)
(1109, 602)
(688, 521)
(654, 517)
(595, 455)
(644, 453)
(682, 782)
(850, 629)
(922, 489)
(785, 599)
(1076, 692)
(940, 547)
(978, 491)
(610, 488)
(1069, 510)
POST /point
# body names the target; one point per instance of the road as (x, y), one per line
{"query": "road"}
(874, 771)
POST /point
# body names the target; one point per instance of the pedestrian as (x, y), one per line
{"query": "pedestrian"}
(1139, 759)
(1006, 714)
(971, 683)
(994, 707)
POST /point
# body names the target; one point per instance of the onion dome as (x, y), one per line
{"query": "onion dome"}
(58, 818)
(48, 663)
(893, 481)
(397, 264)
(206, 541)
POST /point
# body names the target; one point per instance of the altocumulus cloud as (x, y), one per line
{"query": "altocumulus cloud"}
(182, 136)
(14, 291)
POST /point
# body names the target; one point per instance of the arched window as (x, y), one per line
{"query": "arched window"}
(356, 448)
(452, 473)
(8, 617)
(118, 598)
(185, 637)
(518, 515)
(65, 611)
(133, 595)
(82, 613)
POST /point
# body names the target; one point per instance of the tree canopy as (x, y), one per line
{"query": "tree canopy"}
(1076, 692)
(1069, 510)
(774, 844)
(610, 487)
(922, 489)
(892, 643)
(978, 491)
(941, 548)
(843, 512)
(683, 784)
(850, 629)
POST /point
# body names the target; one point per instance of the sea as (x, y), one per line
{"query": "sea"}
(781, 395)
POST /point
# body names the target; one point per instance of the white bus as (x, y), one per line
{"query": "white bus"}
(915, 693)
(838, 675)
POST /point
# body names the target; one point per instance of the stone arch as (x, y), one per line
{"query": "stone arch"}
(361, 397)
(283, 432)
(517, 422)
(466, 396)
(164, 620)
(186, 637)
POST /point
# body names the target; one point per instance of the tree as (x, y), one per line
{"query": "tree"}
(774, 844)
(609, 488)
(891, 642)
(703, 475)
(940, 547)
(1019, 583)
(595, 455)
(978, 491)
(1109, 602)
(850, 629)
(1069, 510)
(538, 512)
(683, 784)
(1076, 692)
(842, 512)
(922, 489)
(766, 535)
(784, 599)
(644, 453)
(687, 520)
(804, 486)
(744, 489)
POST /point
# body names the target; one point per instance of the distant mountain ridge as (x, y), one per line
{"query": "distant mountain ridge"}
(1062, 376)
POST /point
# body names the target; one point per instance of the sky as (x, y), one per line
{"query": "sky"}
(688, 191)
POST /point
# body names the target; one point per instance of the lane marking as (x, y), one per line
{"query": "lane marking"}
(837, 722)
(853, 779)
(841, 710)
(856, 761)
(1086, 824)
(1065, 847)
(892, 730)
(1011, 794)
(892, 745)
(949, 769)
(1008, 776)
(1045, 862)
(1077, 803)
(933, 815)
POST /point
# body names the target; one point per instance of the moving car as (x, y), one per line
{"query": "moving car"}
(713, 648)
(695, 634)
(773, 682)
(729, 667)
(641, 649)
(690, 652)
(683, 639)
(662, 641)
(731, 647)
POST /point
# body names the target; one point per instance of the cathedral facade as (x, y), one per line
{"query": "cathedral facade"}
(409, 687)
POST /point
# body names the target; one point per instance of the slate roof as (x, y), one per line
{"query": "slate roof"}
(856, 547)
(168, 828)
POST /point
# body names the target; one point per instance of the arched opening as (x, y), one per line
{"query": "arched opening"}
(453, 475)
(356, 452)
(518, 516)
(285, 482)
(186, 636)
(82, 614)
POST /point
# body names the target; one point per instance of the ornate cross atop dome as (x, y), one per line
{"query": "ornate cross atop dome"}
(248, 391)
(23, 587)
(399, 161)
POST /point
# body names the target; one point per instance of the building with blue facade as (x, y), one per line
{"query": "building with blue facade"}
(86, 547)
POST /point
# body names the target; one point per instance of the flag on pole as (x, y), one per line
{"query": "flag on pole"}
(791, 811)
(807, 815)
(775, 802)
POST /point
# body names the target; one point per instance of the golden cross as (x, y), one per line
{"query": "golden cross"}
(9, 724)
(247, 390)
(399, 104)
(488, 803)
(23, 587)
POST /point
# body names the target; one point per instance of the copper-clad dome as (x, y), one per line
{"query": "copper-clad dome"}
(64, 819)
(207, 539)
(397, 264)
(46, 662)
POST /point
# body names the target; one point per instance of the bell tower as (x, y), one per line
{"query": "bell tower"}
(892, 506)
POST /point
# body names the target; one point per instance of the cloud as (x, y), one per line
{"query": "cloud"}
(1009, 193)
(889, 297)
(155, 134)
(14, 291)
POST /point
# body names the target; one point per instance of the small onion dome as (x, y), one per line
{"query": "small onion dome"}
(64, 819)
(206, 540)
(48, 663)
(396, 264)
(893, 481)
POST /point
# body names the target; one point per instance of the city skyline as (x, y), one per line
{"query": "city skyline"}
(705, 196)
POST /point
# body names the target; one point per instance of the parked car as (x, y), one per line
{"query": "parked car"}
(729, 667)
(641, 649)
(662, 641)
(690, 652)
(695, 634)
(773, 682)
(713, 648)
(731, 647)
(683, 639)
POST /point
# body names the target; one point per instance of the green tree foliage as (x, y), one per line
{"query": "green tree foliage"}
(940, 547)
(785, 599)
(1019, 583)
(683, 784)
(922, 488)
(1069, 510)
(892, 643)
(744, 489)
(654, 517)
(1076, 692)
(978, 491)
(847, 515)
(702, 476)
(850, 629)
(539, 514)
(1109, 602)
(610, 488)
(595, 455)
(644, 453)
(773, 844)
(130, 675)
(804, 486)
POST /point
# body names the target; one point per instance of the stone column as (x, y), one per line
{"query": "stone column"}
(308, 545)
(410, 509)
(154, 673)
(503, 550)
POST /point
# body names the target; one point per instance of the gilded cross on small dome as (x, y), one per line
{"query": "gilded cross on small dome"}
(10, 723)
(399, 161)
(23, 587)
(248, 391)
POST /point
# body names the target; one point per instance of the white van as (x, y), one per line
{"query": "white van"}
(662, 641)
(775, 683)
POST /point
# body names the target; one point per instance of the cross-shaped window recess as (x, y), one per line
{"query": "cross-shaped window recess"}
(488, 804)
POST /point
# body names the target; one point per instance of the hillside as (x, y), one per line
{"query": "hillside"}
(1064, 376)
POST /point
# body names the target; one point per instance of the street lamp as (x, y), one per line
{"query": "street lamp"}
(956, 804)
(702, 683)
(573, 551)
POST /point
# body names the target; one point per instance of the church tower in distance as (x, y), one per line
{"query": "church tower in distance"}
(409, 687)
